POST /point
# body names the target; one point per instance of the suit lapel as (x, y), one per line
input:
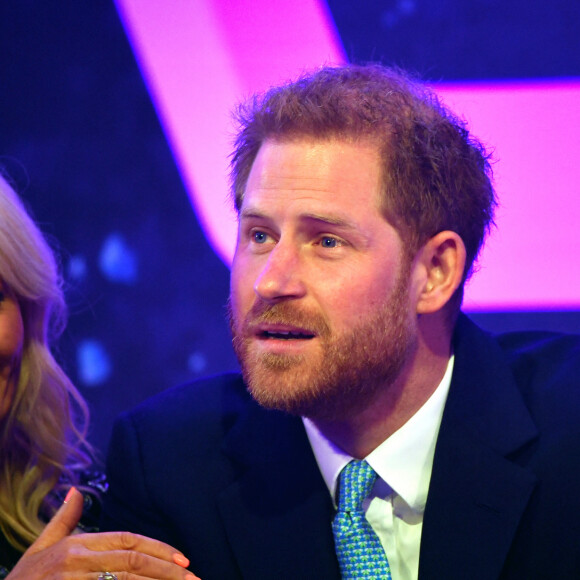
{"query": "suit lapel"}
(477, 495)
(277, 512)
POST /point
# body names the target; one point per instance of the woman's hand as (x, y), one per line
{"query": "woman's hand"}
(58, 554)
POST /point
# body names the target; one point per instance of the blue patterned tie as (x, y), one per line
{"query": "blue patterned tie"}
(359, 550)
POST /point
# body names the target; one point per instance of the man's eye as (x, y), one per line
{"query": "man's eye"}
(327, 242)
(259, 237)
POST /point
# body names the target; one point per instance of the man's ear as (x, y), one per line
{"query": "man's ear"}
(439, 267)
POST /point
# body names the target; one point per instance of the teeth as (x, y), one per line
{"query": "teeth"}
(286, 334)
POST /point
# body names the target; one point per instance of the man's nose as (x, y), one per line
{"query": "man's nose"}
(281, 276)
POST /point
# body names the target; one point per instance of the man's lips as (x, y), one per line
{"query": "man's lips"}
(282, 332)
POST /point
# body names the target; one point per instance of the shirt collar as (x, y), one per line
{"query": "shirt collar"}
(404, 461)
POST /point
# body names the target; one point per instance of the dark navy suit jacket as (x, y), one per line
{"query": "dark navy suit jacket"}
(237, 488)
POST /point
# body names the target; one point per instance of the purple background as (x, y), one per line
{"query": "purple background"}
(82, 141)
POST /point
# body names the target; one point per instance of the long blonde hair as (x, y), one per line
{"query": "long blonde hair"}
(43, 436)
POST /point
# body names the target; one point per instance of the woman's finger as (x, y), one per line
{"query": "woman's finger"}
(131, 543)
(62, 523)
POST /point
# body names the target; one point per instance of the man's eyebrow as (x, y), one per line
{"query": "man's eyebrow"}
(252, 213)
(329, 219)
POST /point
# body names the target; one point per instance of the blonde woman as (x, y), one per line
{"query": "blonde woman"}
(44, 454)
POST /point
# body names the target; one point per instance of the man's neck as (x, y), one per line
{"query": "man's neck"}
(362, 432)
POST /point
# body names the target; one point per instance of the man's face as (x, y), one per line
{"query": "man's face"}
(319, 305)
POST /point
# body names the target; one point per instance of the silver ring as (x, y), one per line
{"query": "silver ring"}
(106, 576)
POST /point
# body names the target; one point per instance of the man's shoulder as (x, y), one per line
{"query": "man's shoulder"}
(541, 363)
(522, 346)
(221, 396)
(539, 340)
(202, 419)
(544, 366)
(536, 350)
(209, 389)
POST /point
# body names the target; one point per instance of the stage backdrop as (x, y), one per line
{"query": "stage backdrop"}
(119, 158)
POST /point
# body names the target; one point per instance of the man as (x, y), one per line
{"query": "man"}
(362, 207)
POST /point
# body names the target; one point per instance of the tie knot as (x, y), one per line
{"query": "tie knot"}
(356, 482)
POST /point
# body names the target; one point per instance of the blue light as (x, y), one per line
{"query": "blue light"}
(197, 362)
(94, 364)
(117, 261)
(77, 267)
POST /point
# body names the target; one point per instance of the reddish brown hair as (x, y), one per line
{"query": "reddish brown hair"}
(436, 176)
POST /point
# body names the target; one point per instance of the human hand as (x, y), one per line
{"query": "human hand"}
(59, 555)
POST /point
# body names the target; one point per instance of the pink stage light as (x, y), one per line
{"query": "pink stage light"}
(531, 259)
(200, 57)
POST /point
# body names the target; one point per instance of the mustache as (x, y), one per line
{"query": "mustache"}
(286, 313)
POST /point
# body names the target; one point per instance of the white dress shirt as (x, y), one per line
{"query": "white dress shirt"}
(403, 463)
